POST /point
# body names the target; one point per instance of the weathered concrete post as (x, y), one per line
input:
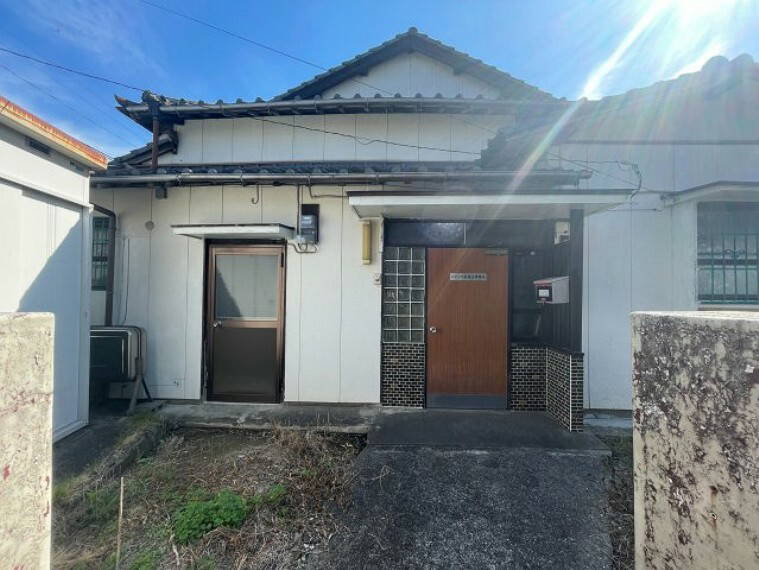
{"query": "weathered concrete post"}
(26, 439)
(696, 440)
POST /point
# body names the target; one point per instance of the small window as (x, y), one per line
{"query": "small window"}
(101, 246)
(728, 253)
(403, 286)
(38, 146)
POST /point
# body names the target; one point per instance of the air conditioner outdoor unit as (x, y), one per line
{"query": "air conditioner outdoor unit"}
(117, 363)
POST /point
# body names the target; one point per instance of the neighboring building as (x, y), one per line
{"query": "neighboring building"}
(430, 235)
(45, 251)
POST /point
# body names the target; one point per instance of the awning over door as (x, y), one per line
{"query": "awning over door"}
(483, 206)
(235, 231)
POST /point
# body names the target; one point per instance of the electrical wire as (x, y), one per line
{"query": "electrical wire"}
(70, 70)
(45, 92)
(252, 41)
(363, 140)
(107, 111)
(360, 140)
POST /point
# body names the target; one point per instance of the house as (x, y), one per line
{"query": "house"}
(375, 234)
(45, 237)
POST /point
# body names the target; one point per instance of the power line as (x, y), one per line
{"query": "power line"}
(45, 92)
(322, 68)
(70, 70)
(296, 58)
(252, 41)
(364, 140)
(106, 111)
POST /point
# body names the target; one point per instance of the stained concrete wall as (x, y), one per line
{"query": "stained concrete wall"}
(26, 438)
(696, 440)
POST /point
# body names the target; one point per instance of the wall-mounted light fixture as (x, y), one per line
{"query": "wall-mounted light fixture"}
(366, 242)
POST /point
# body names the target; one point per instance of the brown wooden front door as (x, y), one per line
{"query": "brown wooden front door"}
(467, 317)
(244, 322)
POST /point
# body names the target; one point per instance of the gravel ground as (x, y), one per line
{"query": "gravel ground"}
(510, 508)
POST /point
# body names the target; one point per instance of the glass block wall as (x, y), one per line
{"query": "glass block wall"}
(403, 295)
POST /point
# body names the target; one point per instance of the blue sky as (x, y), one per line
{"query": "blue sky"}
(568, 48)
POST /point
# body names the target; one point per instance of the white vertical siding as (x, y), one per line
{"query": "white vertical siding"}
(46, 268)
(644, 259)
(332, 304)
(334, 137)
(412, 73)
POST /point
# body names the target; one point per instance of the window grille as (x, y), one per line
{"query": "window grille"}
(403, 294)
(728, 253)
(100, 249)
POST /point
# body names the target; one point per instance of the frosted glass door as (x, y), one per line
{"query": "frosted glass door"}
(246, 286)
(245, 322)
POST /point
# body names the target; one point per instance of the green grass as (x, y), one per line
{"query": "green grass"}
(196, 518)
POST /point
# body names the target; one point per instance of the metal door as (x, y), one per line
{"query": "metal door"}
(244, 322)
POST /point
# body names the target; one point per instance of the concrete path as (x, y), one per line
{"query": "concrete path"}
(452, 489)
(335, 418)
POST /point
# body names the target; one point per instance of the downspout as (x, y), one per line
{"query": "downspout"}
(111, 262)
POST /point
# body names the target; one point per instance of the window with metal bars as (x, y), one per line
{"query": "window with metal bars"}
(403, 286)
(728, 253)
(100, 249)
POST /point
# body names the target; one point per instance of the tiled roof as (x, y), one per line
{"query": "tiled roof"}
(176, 110)
(672, 109)
(413, 40)
(20, 117)
(303, 167)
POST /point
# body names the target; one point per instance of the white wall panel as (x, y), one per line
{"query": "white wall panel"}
(360, 322)
(279, 204)
(205, 205)
(371, 128)
(607, 356)
(320, 310)
(277, 139)
(190, 147)
(337, 147)
(167, 301)
(403, 129)
(48, 173)
(409, 74)
(247, 145)
(44, 255)
(218, 139)
(237, 205)
(309, 144)
(435, 132)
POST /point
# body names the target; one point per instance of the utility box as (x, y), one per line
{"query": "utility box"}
(309, 223)
(552, 291)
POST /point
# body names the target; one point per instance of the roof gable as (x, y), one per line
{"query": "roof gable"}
(356, 69)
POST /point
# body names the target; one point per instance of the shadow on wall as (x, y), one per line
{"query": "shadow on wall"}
(52, 248)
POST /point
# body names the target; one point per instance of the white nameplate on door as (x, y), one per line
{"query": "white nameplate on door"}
(468, 276)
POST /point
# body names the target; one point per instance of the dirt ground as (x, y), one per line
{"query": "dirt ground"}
(211, 499)
(621, 499)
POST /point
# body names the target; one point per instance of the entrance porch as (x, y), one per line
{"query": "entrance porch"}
(462, 326)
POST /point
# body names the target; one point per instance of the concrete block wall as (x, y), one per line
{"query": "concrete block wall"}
(696, 440)
(26, 438)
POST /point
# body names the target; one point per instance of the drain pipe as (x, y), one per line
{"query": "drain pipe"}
(111, 262)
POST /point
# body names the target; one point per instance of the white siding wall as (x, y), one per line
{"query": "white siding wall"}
(409, 74)
(332, 327)
(644, 259)
(45, 260)
(282, 138)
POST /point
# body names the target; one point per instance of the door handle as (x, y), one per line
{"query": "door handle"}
(216, 324)
(433, 330)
